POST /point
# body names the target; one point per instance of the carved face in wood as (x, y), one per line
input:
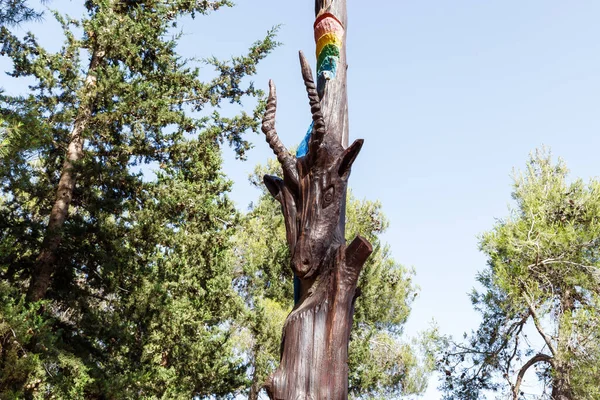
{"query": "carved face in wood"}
(320, 201)
(312, 207)
(313, 187)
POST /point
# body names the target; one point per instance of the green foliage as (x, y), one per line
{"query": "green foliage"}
(131, 312)
(381, 364)
(543, 272)
(7, 137)
(31, 357)
(14, 12)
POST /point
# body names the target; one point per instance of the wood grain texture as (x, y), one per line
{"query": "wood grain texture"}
(312, 194)
(335, 99)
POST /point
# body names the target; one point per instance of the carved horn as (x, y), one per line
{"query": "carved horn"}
(287, 161)
(315, 105)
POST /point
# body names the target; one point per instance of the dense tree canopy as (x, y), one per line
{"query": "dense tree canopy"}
(541, 299)
(109, 271)
(128, 308)
(120, 267)
(127, 272)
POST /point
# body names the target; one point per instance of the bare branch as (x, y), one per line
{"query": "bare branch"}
(513, 354)
(538, 326)
(533, 360)
(287, 161)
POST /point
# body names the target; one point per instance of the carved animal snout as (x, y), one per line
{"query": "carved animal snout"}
(301, 260)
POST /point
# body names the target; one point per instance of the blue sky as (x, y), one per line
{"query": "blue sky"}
(449, 97)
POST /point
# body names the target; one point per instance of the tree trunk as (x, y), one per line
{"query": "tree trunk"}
(256, 381)
(314, 360)
(254, 391)
(46, 260)
(312, 193)
(561, 388)
(334, 92)
(561, 385)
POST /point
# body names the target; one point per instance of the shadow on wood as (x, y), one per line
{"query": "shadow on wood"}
(314, 349)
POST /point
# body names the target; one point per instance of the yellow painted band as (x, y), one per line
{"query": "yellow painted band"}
(328, 38)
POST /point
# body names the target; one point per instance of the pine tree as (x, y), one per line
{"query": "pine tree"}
(14, 12)
(543, 276)
(120, 271)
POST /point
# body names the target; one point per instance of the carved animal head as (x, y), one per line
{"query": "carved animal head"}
(312, 192)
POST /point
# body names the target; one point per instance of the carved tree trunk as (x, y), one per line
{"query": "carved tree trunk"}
(312, 193)
(314, 361)
(334, 94)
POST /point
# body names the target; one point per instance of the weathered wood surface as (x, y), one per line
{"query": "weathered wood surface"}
(312, 193)
(316, 334)
(335, 100)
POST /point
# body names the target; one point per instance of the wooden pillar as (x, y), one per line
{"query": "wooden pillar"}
(312, 193)
(335, 100)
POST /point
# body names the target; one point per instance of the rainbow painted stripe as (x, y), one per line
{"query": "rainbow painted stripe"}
(329, 33)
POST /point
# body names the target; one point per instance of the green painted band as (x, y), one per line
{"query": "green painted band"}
(330, 50)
